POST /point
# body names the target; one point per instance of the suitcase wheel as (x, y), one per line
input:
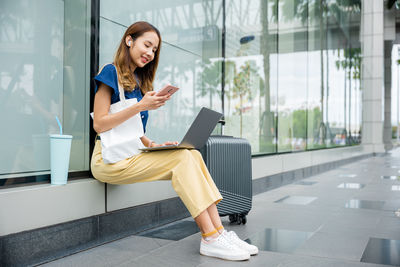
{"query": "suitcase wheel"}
(244, 219)
(233, 218)
(238, 218)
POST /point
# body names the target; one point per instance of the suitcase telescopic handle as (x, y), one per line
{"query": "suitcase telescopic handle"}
(222, 122)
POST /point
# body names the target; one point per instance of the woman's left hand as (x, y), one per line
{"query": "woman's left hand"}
(165, 144)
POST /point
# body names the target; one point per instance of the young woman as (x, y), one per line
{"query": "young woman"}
(134, 67)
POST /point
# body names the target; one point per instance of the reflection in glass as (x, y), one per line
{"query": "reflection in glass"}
(76, 78)
(382, 251)
(250, 72)
(316, 93)
(305, 183)
(43, 74)
(391, 177)
(364, 204)
(31, 80)
(351, 186)
(292, 73)
(319, 98)
(190, 56)
(174, 231)
(279, 240)
(296, 200)
(348, 175)
(343, 70)
(395, 187)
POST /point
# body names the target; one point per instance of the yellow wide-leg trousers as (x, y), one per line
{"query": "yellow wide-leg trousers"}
(185, 168)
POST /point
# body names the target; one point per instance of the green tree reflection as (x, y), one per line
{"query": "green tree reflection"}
(340, 11)
(351, 64)
(210, 80)
(242, 87)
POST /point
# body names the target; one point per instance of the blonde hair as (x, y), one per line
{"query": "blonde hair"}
(124, 65)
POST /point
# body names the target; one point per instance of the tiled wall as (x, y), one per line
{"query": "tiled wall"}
(372, 33)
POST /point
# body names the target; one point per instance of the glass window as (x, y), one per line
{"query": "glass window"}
(190, 55)
(343, 74)
(292, 79)
(251, 72)
(292, 75)
(44, 73)
(316, 89)
(291, 72)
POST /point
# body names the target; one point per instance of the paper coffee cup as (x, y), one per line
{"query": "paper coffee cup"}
(60, 148)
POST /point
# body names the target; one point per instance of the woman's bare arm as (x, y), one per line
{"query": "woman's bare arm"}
(103, 121)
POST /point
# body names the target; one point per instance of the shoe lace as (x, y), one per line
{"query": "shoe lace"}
(232, 235)
(225, 242)
(235, 239)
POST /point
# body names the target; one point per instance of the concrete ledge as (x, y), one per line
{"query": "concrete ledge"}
(270, 182)
(281, 163)
(125, 196)
(30, 207)
(56, 241)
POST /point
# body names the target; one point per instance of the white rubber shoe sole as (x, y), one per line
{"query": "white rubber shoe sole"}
(233, 238)
(223, 249)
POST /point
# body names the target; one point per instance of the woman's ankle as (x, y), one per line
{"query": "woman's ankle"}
(220, 229)
(210, 235)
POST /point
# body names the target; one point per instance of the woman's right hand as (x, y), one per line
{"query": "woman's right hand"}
(151, 101)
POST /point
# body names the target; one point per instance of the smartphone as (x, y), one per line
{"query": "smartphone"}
(167, 90)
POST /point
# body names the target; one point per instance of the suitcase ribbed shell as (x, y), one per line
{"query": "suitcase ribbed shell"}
(229, 162)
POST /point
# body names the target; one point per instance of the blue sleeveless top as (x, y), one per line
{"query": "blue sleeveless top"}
(108, 76)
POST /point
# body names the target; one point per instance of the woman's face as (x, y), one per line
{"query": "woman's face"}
(142, 51)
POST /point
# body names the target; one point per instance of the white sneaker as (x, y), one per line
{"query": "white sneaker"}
(221, 248)
(234, 239)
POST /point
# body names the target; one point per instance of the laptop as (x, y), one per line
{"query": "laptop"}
(198, 133)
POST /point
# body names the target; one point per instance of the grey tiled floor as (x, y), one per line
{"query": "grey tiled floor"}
(340, 234)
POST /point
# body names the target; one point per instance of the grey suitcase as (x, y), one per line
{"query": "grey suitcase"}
(228, 160)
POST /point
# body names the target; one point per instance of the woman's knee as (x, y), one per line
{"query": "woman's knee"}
(179, 156)
(183, 153)
(197, 155)
(195, 152)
